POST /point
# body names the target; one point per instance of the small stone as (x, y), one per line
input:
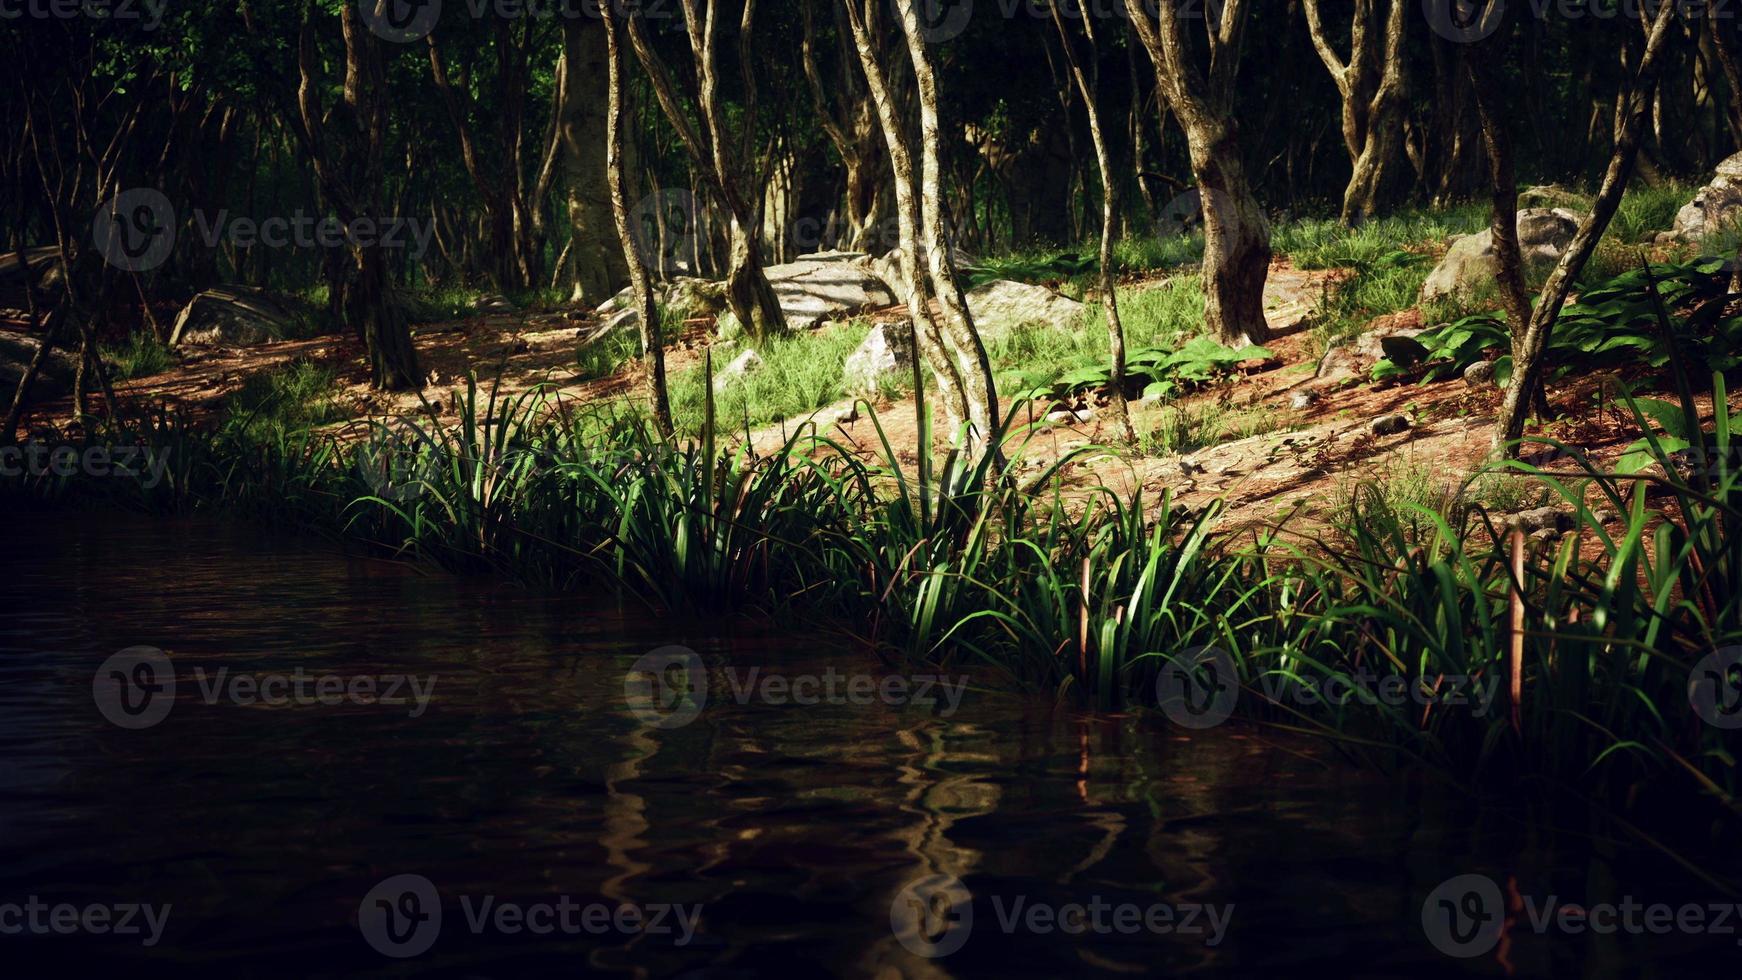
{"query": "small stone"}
(742, 365)
(1544, 534)
(1543, 519)
(1479, 373)
(1303, 399)
(1387, 425)
(1603, 516)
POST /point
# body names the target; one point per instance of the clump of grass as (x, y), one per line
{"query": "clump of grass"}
(295, 399)
(800, 373)
(141, 354)
(1186, 427)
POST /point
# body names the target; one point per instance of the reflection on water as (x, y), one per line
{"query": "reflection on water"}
(529, 781)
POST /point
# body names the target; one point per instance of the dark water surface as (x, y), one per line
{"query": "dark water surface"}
(789, 830)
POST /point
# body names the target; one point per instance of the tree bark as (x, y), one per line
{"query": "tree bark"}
(928, 340)
(1087, 86)
(1236, 232)
(599, 260)
(652, 343)
(1373, 85)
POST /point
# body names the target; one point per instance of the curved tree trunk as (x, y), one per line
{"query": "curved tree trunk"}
(652, 344)
(1236, 233)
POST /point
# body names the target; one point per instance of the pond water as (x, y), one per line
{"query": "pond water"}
(518, 809)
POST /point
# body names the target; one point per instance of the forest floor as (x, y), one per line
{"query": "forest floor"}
(1259, 446)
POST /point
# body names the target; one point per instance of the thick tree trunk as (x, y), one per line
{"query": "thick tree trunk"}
(600, 269)
(1236, 232)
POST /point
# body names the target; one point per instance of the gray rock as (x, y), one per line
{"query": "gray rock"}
(1303, 399)
(741, 366)
(493, 303)
(1543, 236)
(54, 379)
(1389, 425)
(1543, 519)
(819, 287)
(689, 298)
(1716, 207)
(1004, 304)
(1479, 373)
(1339, 364)
(235, 316)
(887, 352)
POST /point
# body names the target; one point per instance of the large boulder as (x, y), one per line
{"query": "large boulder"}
(1004, 304)
(689, 298)
(234, 316)
(1717, 207)
(886, 353)
(820, 287)
(1544, 235)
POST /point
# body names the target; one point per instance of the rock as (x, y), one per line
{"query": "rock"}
(236, 316)
(44, 265)
(819, 287)
(1543, 519)
(1543, 236)
(887, 268)
(493, 303)
(688, 298)
(1303, 399)
(53, 379)
(1603, 516)
(1544, 534)
(1339, 364)
(629, 319)
(1715, 207)
(1389, 425)
(1067, 416)
(887, 351)
(741, 366)
(622, 300)
(1005, 304)
(1479, 373)
(1552, 196)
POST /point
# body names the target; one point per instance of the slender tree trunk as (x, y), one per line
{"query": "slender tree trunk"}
(600, 266)
(1109, 213)
(652, 344)
(1532, 328)
(958, 325)
(928, 339)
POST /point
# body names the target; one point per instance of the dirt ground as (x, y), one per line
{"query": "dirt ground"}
(1312, 452)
